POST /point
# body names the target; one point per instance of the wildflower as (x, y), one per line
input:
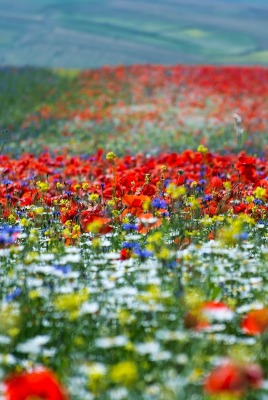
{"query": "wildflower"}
(10, 316)
(43, 186)
(130, 227)
(142, 253)
(193, 203)
(260, 193)
(110, 156)
(159, 203)
(7, 182)
(176, 191)
(255, 322)
(41, 383)
(97, 377)
(124, 373)
(202, 149)
(94, 197)
(8, 234)
(233, 378)
(38, 210)
(71, 302)
(11, 296)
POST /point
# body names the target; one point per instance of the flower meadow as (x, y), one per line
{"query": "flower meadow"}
(133, 245)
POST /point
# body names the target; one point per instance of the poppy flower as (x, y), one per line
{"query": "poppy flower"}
(217, 310)
(41, 384)
(147, 222)
(134, 203)
(255, 322)
(233, 378)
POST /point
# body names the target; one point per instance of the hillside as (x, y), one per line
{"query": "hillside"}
(93, 33)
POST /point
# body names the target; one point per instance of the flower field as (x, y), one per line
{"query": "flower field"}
(133, 235)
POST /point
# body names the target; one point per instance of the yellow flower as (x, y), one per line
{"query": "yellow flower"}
(176, 191)
(94, 197)
(33, 294)
(97, 381)
(249, 199)
(155, 238)
(124, 373)
(25, 222)
(38, 210)
(111, 203)
(163, 254)
(146, 204)
(10, 320)
(110, 156)
(71, 302)
(11, 218)
(227, 185)
(96, 243)
(31, 256)
(202, 149)
(94, 226)
(43, 186)
(193, 203)
(260, 193)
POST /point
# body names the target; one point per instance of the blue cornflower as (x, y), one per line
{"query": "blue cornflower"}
(159, 203)
(130, 227)
(172, 264)
(142, 253)
(208, 197)
(166, 183)
(242, 236)
(165, 214)
(130, 245)
(258, 202)
(62, 268)
(8, 234)
(7, 182)
(263, 222)
(11, 296)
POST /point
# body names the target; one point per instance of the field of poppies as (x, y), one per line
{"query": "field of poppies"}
(133, 234)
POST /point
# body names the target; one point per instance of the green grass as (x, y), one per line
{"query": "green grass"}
(24, 90)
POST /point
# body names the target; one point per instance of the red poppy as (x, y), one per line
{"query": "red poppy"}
(41, 384)
(134, 203)
(255, 322)
(233, 378)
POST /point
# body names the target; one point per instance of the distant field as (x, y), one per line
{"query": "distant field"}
(91, 33)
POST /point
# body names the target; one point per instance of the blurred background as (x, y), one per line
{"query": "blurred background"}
(91, 33)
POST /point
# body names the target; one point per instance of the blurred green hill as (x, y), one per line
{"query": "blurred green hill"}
(91, 33)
